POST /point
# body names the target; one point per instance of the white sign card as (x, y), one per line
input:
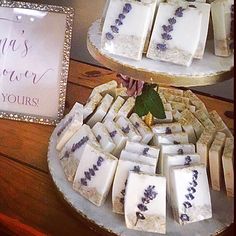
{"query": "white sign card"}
(34, 61)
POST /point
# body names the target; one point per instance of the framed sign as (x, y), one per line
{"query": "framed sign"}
(35, 45)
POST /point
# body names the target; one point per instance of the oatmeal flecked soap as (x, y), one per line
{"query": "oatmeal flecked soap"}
(176, 34)
(126, 27)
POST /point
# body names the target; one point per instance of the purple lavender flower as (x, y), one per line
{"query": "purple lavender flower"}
(121, 16)
(99, 138)
(109, 36)
(167, 28)
(92, 172)
(187, 204)
(172, 21)
(189, 196)
(114, 29)
(83, 181)
(184, 217)
(193, 183)
(76, 146)
(66, 155)
(179, 12)
(126, 130)
(180, 151)
(142, 207)
(145, 200)
(140, 216)
(95, 167)
(113, 133)
(191, 190)
(64, 126)
(136, 169)
(127, 8)
(166, 36)
(168, 130)
(87, 175)
(118, 22)
(192, 6)
(161, 46)
(99, 161)
(150, 193)
(136, 125)
(145, 151)
(187, 160)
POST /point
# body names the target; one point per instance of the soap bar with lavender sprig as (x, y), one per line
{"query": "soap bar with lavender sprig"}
(126, 27)
(145, 202)
(222, 12)
(71, 153)
(128, 128)
(69, 125)
(120, 181)
(167, 128)
(176, 34)
(95, 174)
(103, 137)
(190, 194)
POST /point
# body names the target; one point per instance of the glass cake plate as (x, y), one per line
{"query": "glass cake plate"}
(209, 70)
(114, 224)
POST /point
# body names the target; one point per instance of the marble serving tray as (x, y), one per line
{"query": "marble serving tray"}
(104, 218)
(209, 70)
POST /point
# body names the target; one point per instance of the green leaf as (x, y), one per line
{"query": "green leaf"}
(149, 101)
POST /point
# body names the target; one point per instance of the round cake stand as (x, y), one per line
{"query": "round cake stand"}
(209, 70)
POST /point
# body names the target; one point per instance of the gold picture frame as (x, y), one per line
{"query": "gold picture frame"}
(19, 107)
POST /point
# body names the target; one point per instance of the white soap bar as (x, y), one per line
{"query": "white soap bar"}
(189, 118)
(150, 214)
(91, 104)
(95, 174)
(142, 149)
(120, 181)
(190, 194)
(101, 110)
(176, 115)
(103, 89)
(103, 137)
(142, 128)
(128, 128)
(121, 91)
(120, 34)
(174, 149)
(71, 153)
(204, 119)
(145, 159)
(222, 12)
(177, 160)
(113, 111)
(167, 128)
(173, 91)
(188, 128)
(118, 137)
(203, 145)
(219, 123)
(168, 119)
(228, 166)
(69, 125)
(127, 107)
(169, 41)
(175, 138)
(215, 160)
(175, 98)
(194, 100)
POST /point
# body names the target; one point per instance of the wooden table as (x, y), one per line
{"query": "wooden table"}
(29, 202)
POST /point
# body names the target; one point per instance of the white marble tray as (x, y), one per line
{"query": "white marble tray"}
(210, 70)
(103, 217)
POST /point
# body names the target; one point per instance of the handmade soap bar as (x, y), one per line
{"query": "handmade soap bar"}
(95, 174)
(145, 203)
(174, 149)
(142, 128)
(120, 181)
(120, 34)
(142, 149)
(167, 128)
(188, 128)
(168, 119)
(103, 137)
(128, 128)
(69, 125)
(167, 107)
(127, 107)
(203, 145)
(91, 104)
(215, 160)
(175, 98)
(175, 138)
(204, 119)
(101, 110)
(118, 137)
(173, 91)
(103, 89)
(190, 194)
(145, 159)
(222, 12)
(177, 160)
(219, 123)
(71, 153)
(113, 111)
(169, 41)
(228, 166)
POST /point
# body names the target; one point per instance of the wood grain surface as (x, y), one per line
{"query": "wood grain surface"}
(29, 201)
